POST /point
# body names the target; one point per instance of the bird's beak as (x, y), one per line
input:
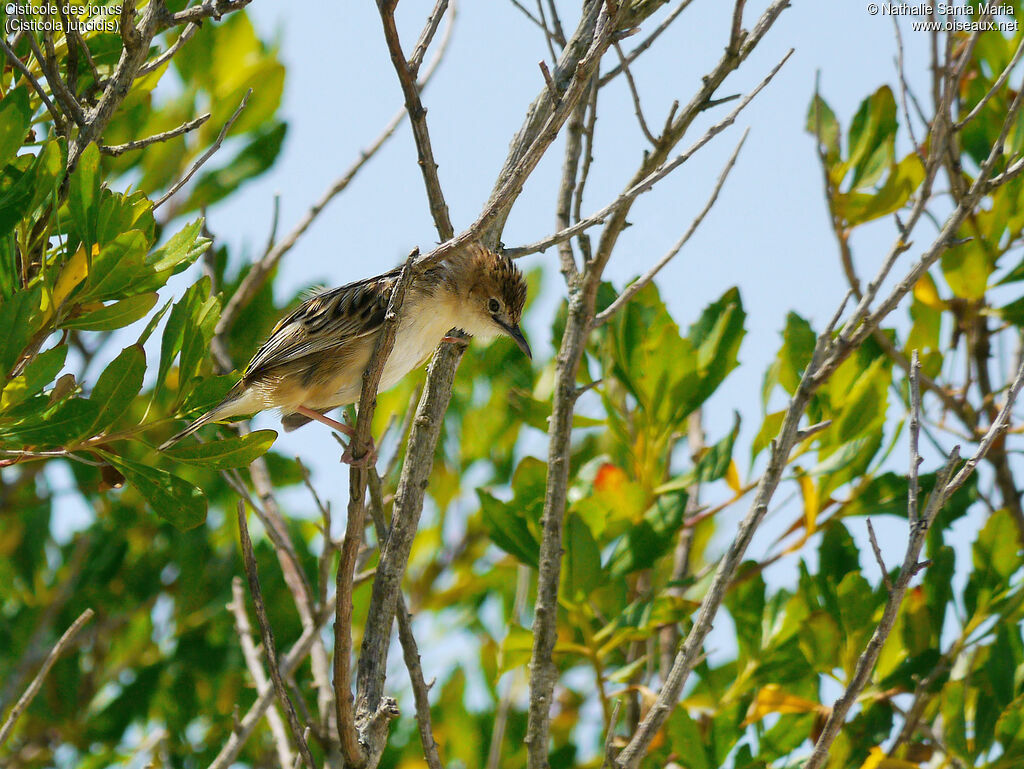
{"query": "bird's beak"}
(517, 334)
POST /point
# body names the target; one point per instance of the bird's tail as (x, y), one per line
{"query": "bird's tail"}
(234, 404)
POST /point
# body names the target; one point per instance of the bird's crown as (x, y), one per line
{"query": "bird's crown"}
(495, 275)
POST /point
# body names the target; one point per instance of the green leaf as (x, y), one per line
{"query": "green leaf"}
(224, 454)
(19, 318)
(768, 432)
(114, 316)
(872, 138)
(118, 385)
(903, 179)
(67, 423)
(183, 248)
(582, 571)
(684, 736)
(117, 267)
(650, 539)
(864, 409)
(712, 465)
(25, 183)
(508, 529)
(15, 118)
(84, 193)
(172, 498)
(822, 123)
(966, 268)
(174, 332)
(39, 373)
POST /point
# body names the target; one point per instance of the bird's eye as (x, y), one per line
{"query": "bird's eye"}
(494, 305)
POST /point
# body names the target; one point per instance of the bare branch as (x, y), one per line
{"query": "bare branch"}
(427, 35)
(166, 56)
(37, 683)
(12, 57)
(634, 93)
(267, 634)
(206, 155)
(631, 290)
(245, 727)
(878, 556)
(915, 433)
(251, 655)
(648, 182)
(120, 149)
(417, 119)
(352, 746)
(644, 44)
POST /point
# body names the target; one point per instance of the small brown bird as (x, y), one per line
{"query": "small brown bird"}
(314, 359)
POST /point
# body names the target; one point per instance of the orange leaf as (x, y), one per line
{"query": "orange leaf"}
(609, 478)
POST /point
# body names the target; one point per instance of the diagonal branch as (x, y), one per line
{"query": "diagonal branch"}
(206, 155)
(37, 683)
(138, 144)
(647, 182)
(631, 290)
(417, 114)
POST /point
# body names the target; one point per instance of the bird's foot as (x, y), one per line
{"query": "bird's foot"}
(366, 460)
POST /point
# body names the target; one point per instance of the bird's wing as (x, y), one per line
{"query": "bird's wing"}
(325, 321)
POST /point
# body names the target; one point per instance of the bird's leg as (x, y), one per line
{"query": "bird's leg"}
(371, 455)
(334, 424)
(455, 340)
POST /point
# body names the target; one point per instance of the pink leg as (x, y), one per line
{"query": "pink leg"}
(334, 424)
(455, 340)
(369, 458)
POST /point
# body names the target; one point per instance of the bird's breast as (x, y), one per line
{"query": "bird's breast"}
(419, 333)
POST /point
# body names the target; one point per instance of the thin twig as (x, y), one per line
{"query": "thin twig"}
(999, 83)
(650, 180)
(631, 290)
(37, 683)
(166, 56)
(878, 556)
(267, 634)
(120, 149)
(634, 94)
(418, 121)
(206, 155)
(915, 433)
(644, 44)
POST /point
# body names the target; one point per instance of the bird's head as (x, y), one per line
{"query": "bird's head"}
(496, 293)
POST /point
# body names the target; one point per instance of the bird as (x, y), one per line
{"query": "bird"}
(313, 360)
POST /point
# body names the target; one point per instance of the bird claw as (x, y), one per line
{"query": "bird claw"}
(366, 460)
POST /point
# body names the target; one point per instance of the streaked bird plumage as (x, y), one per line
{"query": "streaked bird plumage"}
(314, 359)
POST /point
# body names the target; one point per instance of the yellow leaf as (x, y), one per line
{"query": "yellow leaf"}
(773, 699)
(811, 502)
(74, 272)
(878, 760)
(927, 293)
(732, 477)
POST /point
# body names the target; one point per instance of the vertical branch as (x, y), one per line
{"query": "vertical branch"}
(268, 637)
(347, 733)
